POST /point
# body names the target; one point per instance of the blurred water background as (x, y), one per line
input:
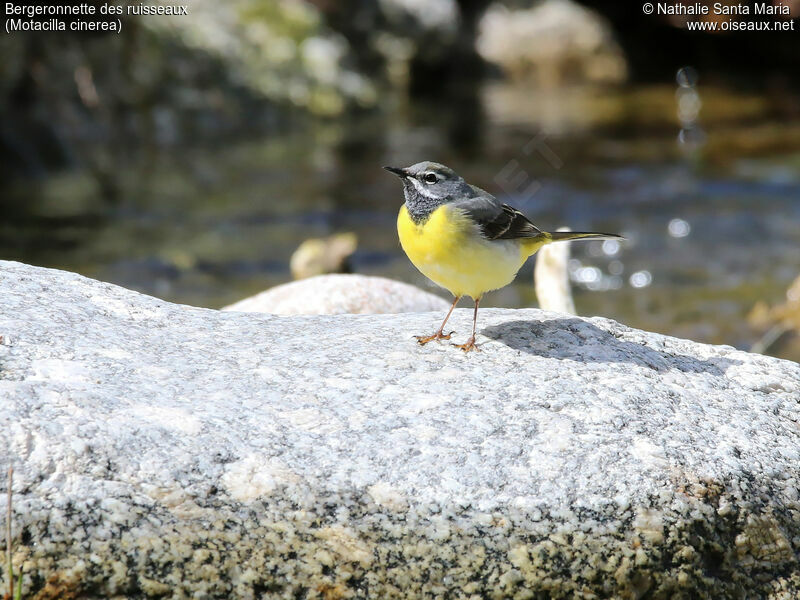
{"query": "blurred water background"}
(188, 157)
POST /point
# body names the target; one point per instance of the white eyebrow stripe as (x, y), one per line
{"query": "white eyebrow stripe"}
(421, 189)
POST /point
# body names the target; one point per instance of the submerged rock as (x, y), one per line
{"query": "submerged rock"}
(341, 294)
(320, 256)
(170, 451)
(551, 278)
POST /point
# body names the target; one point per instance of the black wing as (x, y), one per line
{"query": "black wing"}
(496, 221)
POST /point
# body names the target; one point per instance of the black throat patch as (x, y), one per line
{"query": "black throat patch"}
(420, 207)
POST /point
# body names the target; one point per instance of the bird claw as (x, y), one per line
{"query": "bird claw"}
(470, 345)
(439, 335)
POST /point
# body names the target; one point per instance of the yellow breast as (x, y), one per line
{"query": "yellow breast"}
(449, 250)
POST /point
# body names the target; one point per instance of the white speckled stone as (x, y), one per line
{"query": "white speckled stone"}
(341, 294)
(171, 451)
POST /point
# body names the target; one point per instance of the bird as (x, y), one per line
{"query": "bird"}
(464, 239)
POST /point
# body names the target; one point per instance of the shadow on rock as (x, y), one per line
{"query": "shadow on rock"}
(578, 340)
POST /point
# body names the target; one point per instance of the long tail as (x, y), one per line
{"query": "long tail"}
(533, 244)
(563, 236)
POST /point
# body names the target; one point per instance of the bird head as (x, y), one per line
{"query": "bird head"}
(427, 185)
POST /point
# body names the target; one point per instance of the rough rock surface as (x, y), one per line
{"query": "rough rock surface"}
(170, 451)
(341, 294)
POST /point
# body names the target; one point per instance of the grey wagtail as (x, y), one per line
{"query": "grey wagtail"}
(463, 239)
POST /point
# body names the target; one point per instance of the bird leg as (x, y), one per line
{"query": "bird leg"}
(471, 345)
(439, 335)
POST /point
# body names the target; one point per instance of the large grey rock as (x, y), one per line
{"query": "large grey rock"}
(171, 451)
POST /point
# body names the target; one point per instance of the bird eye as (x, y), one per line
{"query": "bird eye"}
(429, 178)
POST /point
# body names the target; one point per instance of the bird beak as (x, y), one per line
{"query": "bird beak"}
(397, 171)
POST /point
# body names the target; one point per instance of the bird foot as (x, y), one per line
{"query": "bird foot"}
(439, 335)
(470, 345)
